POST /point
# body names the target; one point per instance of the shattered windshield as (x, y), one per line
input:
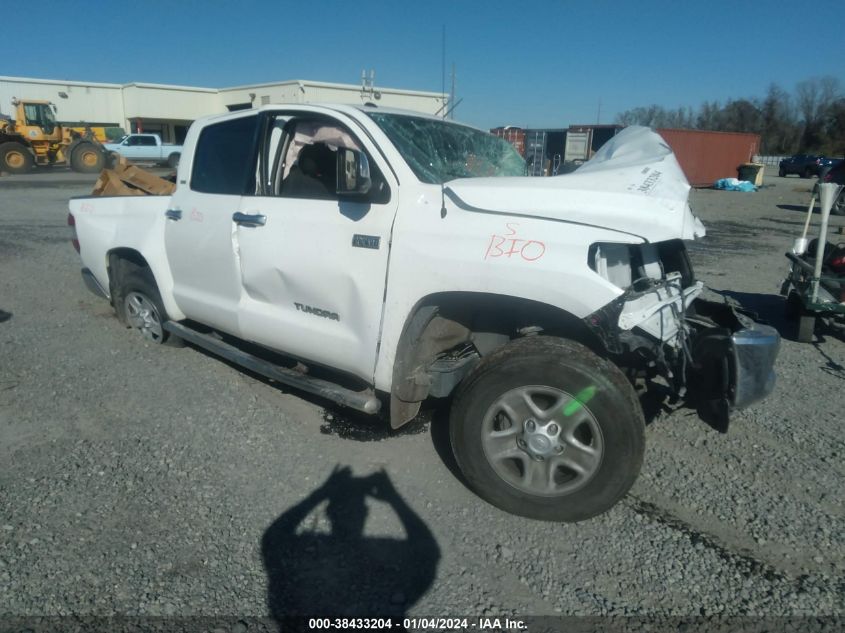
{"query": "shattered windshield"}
(439, 151)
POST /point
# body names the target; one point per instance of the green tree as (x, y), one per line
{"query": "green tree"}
(811, 120)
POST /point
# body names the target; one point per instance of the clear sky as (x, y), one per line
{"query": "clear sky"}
(532, 63)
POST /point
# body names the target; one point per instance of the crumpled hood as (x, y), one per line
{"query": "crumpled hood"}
(633, 184)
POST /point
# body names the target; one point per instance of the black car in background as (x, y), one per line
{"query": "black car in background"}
(834, 173)
(804, 165)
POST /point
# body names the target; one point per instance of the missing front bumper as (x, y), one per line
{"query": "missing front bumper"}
(713, 355)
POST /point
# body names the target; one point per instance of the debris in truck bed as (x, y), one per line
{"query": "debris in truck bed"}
(130, 180)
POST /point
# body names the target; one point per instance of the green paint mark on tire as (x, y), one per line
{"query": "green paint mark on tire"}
(581, 399)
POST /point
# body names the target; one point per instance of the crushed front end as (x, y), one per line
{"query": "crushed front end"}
(711, 354)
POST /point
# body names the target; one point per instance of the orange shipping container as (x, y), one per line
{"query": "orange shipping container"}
(707, 156)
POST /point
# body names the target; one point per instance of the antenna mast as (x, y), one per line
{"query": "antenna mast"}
(452, 95)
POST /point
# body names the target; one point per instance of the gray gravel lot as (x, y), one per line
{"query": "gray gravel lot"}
(140, 480)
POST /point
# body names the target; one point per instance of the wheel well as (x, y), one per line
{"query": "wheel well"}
(127, 254)
(468, 322)
(14, 138)
(483, 313)
(119, 262)
(79, 142)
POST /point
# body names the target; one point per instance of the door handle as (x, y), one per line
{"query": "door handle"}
(244, 219)
(173, 214)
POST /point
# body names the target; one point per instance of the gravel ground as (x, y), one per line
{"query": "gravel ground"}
(139, 480)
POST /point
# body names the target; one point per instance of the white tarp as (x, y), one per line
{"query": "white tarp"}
(633, 184)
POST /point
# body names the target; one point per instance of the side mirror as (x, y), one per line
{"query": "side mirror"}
(353, 172)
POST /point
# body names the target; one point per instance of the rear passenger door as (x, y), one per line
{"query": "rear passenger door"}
(199, 228)
(314, 266)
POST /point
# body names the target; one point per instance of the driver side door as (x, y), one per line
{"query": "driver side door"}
(314, 265)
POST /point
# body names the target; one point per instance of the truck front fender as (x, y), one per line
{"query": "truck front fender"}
(425, 335)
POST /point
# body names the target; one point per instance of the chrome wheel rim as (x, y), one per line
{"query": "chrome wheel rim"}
(143, 316)
(542, 440)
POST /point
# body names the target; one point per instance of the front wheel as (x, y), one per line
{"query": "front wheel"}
(87, 158)
(15, 158)
(544, 428)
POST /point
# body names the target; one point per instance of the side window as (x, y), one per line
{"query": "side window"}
(148, 140)
(224, 160)
(132, 141)
(305, 165)
(31, 114)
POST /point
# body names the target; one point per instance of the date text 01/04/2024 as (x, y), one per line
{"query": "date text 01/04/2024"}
(484, 624)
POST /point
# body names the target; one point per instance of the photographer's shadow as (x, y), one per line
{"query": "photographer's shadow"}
(337, 570)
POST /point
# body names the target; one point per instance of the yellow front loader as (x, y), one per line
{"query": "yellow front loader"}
(34, 137)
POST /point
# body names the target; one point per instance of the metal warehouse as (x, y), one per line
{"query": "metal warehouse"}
(169, 110)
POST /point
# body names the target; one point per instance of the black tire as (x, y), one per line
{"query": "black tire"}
(87, 158)
(781, 172)
(15, 158)
(564, 367)
(805, 326)
(807, 173)
(838, 207)
(135, 282)
(173, 160)
(793, 307)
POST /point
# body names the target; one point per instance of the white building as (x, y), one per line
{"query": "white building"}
(169, 110)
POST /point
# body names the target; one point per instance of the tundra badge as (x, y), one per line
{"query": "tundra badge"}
(317, 311)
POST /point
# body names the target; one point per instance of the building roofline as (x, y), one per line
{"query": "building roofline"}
(294, 82)
(59, 82)
(139, 84)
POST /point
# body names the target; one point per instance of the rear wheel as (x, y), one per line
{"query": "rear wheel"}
(15, 158)
(546, 429)
(139, 305)
(807, 173)
(173, 160)
(781, 172)
(87, 158)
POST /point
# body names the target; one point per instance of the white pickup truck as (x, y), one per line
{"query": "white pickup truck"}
(402, 257)
(146, 148)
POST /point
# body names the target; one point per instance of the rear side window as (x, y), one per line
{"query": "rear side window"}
(224, 161)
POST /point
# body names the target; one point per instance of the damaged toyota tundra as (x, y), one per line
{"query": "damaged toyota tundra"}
(379, 258)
